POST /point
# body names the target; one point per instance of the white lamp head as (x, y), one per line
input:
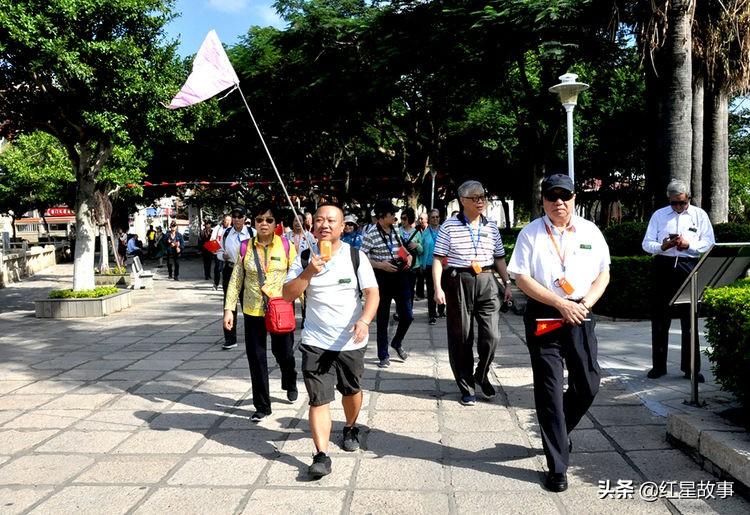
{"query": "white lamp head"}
(568, 89)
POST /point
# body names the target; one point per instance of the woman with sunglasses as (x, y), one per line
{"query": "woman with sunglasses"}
(261, 271)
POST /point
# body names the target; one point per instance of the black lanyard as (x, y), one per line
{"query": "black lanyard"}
(388, 244)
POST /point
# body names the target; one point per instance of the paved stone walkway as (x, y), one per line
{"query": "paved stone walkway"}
(142, 412)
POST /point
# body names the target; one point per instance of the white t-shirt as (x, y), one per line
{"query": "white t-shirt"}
(585, 251)
(333, 304)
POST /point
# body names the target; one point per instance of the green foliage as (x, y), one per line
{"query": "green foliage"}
(625, 239)
(732, 232)
(739, 188)
(35, 172)
(115, 270)
(629, 292)
(101, 291)
(728, 332)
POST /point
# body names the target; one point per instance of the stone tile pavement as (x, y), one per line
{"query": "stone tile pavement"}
(142, 412)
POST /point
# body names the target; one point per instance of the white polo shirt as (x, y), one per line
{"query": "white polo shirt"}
(582, 245)
(333, 304)
(692, 224)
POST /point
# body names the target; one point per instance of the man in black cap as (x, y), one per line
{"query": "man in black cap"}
(230, 250)
(561, 262)
(391, 262)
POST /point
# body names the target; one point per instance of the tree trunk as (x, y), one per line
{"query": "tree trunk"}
(656, 180)
(537, 176)
(103, 250)
(679, 92)
(696, 180)
(716, 155)
(89, 164)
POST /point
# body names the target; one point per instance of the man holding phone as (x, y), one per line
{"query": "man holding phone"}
(677, 235)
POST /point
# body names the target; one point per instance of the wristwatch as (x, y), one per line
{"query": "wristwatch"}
(507, 283)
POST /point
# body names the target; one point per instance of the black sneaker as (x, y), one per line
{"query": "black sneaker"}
(384, 363)
(442, 315)
(468, 400)
(292, 395)
(321, 466)
(229, 345)
(487, 389)
(401, 353)
(351, 439)
(258, 416)
(655, 373)
(433, 321)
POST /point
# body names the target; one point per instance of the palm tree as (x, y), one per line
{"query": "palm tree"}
(721, 43)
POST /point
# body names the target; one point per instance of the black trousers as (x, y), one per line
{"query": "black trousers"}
(421, 279)
(432, 308)
(399, 287)
(230, 336)
(574, 347)
(472, 298)
(668, 275)
(218, 269)
(174, 257)
(208, 258)
(282, 347)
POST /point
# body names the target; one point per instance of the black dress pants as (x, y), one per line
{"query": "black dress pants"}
(208, 258)
(668, 275)
(282, 347)
(230, 335)
(472, 298)
(574, 347)
(174, 257)
(432, 308)
(399, 287)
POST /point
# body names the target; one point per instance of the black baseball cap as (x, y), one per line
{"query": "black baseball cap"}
(238, 210)
(558, 180)
(382, 207)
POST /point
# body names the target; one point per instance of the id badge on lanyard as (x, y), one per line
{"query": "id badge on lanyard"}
(561, 282)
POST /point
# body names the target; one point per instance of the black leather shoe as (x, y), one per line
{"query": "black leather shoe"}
(655, 373)
(292, 395)
(701, 379)
(556, 482)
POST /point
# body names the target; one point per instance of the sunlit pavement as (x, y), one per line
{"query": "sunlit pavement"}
(142, 412)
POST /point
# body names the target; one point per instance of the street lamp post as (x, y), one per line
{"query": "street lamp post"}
(432, 193)
(568, 90)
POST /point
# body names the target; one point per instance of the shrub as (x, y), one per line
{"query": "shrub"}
(625, 239)
(629, 292)
(115, 270)
(728, 332)
(101, 291)
(731, 232)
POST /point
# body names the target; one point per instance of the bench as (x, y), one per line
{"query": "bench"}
(140, 278)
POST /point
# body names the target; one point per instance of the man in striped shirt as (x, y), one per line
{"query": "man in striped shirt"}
(391, 261)
(472, 246)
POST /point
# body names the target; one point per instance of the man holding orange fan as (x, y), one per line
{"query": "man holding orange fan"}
(561, 262)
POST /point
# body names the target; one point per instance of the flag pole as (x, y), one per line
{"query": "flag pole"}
(276, 170)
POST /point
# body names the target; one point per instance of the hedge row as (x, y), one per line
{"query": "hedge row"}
(728, 332)
(629, 292)
(625, 239)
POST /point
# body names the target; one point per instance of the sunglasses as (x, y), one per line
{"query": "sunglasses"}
(678, 203)
(349, 223)
(268, 219)
(477, 199)
(238, 217)
(554, 197)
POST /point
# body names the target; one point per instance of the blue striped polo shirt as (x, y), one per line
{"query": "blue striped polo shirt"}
(457, 241)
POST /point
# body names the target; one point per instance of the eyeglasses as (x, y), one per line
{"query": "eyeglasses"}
(554, 197)
(238, 217)
(476, 199)
(678, 203)
(268, 219)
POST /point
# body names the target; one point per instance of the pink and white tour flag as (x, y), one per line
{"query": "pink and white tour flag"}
(212, 73)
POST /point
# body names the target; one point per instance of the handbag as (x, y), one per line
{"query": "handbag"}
(279, 312)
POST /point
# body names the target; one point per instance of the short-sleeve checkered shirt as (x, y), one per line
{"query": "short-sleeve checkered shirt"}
(376, 244)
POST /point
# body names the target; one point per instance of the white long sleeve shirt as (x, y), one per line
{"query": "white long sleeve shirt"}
(692, 224)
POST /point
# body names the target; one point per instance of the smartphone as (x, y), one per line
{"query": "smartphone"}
(673, 236)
